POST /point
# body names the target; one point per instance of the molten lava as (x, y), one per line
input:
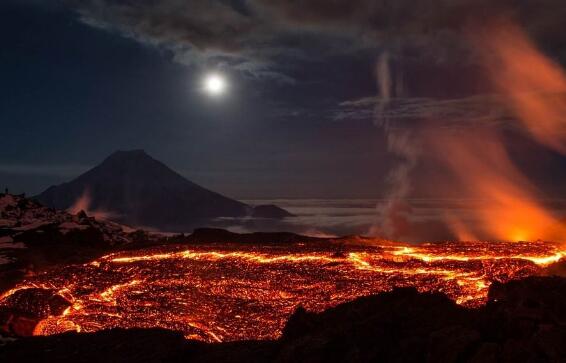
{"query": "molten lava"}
(228, 292)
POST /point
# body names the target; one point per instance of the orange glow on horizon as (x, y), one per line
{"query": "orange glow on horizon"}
(512, 210)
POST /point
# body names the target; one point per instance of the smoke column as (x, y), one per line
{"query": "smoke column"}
(394, 210)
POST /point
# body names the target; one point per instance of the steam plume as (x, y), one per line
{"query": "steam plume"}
(509, 204)
(534, 89)
(394, 210)
(534, 86)
(83, 203)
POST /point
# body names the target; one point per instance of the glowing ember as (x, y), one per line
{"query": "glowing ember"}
(229, 292)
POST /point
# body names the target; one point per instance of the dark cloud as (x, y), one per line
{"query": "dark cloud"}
(382, 16)
(202, 24)
(428, 30)
(198, 32)
(263, 38)
(417, 18)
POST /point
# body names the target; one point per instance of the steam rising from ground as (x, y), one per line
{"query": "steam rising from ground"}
(533, 87)
(477, 161)
(395, 212)
(84, 203)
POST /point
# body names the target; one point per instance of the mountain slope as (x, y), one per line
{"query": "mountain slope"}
(133, 188)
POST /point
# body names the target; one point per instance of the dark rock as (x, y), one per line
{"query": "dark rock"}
(17, 324)
(536, 300)
(557, 269)
(394, 326)
(551, 342)
(21, 311)
(118, 345)
(460, 340)
(82, 215)
(217, 235)
(36, 302)
(300, 323)
(486, 353)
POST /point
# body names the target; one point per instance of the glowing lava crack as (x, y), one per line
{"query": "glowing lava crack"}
(228, 292)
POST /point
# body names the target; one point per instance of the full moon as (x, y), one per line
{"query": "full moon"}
(214, 84)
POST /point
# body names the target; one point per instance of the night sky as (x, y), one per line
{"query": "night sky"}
(82, 79)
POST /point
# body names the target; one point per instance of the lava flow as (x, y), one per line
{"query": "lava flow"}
(228, 292)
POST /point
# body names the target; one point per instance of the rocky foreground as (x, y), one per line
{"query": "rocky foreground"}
(34, 237)
(524, 321)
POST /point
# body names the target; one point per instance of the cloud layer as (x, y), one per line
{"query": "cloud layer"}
(262, 37)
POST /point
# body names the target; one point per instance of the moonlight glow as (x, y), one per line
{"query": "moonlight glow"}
(214, 84)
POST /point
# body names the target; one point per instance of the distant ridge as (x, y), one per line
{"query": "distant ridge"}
(133, 188)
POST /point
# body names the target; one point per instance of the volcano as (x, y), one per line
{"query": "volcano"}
(131, 187)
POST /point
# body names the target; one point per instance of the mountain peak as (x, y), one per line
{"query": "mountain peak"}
(135, 163)
(128, 154)
(139, 190)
